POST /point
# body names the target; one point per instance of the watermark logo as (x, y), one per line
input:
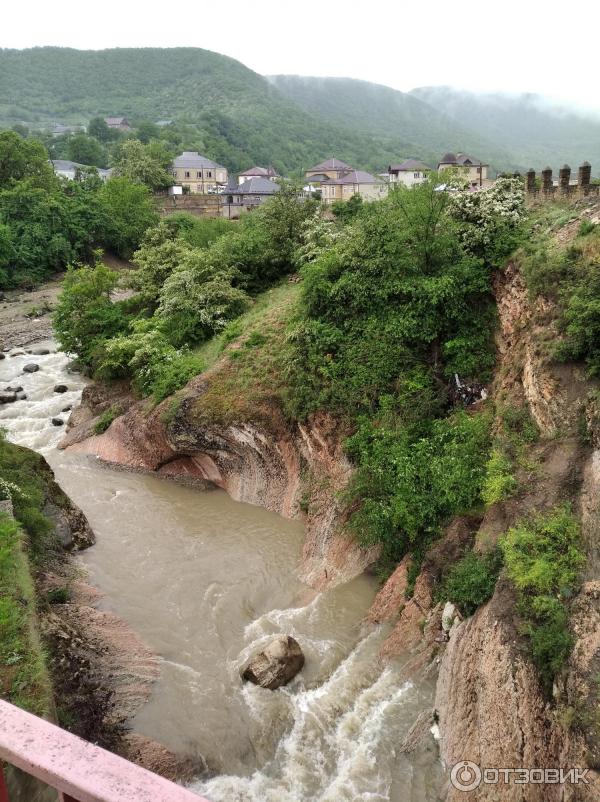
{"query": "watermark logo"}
(468, 776)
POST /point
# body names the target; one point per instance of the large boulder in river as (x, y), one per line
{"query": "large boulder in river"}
(7, 398)
(31, 367)
(276, 664)
(60, 388)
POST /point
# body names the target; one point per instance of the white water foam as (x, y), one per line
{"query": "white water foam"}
(28, 422)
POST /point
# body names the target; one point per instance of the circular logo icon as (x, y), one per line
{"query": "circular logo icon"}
(465, 776)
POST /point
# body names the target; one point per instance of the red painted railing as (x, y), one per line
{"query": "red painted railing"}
(80, 771)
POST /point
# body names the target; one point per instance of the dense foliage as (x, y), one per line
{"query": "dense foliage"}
(543, 559)
(396, 316)
(471, 581)
(219, 107)
(192, 277)
(47, 224)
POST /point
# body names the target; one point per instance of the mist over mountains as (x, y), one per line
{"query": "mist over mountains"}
(240, 117)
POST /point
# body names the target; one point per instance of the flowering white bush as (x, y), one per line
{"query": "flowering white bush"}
(8, 490)
(489, 214)
(317, 235)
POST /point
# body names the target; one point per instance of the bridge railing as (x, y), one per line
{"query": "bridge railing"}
(78, 770)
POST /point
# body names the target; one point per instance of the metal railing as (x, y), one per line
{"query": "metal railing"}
(78, 770)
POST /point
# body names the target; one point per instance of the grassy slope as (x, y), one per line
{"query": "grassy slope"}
(24, 679)
(247, 362)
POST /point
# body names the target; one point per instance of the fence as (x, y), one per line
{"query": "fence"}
(545, 187)
(79, 771)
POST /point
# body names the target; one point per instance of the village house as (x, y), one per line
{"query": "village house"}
(337, 181)
(60, 129)
(408, 173)
(258, 172)
(73, 171)
(198, 173)
(247, 195)
(330, 169)
(356, 182)
(473, 170)
(118, 123)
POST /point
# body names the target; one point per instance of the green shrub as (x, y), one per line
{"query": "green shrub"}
(471, 581)
(58, 595)
(107, 417)
(586, 227)
(408, 484)
(543, 559)
(174, 374)
(500, 482)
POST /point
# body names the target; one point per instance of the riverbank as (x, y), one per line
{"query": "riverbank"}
(181, 588)
(76, 664)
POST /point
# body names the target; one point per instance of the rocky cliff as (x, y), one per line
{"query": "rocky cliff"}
(291, 469)
(490, 707)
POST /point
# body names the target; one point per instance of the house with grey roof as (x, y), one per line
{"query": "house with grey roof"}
(118, 123)
(338, 181)
(474, 171)
(60, 130)
(258, 172)
(73, 171)
(408, 173)
(331, 168)
(247, 195)
(354, 182)
(198, 173)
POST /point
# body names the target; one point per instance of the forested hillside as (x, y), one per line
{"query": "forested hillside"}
(532, 131)
(380, 110)
(240, 118)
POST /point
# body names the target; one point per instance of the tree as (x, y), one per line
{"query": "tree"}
(100, 131)
(21, 130)
(48, 229)
(144, 164)
(24, 158)
(129, 213)
(198, 299)
(86, 150)
(147, 131)
(85, 316)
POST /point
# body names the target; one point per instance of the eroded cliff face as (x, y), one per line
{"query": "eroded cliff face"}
(489, 704)
(292, 469)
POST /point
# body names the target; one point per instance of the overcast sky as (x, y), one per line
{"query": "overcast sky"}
(510, 45)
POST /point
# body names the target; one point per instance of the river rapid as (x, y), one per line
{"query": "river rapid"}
(205, 581)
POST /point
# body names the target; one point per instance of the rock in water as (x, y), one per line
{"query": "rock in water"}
(60, 388)
(276, 665)
(31, 367)
(40, 351)
(57, 421)
(7, 398)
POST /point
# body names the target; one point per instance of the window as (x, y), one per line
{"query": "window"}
(479, 169)
(199, 174)
(174, 173)
(187, 173)
(416, 175)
